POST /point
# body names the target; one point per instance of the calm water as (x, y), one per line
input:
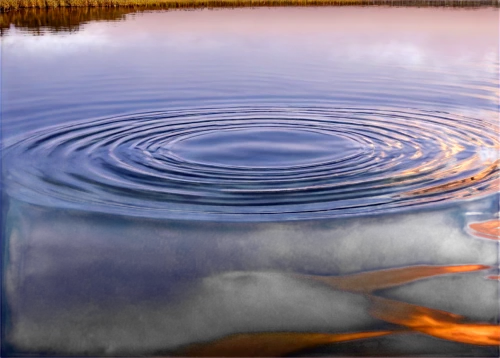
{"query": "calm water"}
(174, 179)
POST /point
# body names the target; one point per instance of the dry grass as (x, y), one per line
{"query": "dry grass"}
(60, 18)
(7, 5)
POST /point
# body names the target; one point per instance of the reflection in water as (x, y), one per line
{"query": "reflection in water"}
(379, 280)
(211, 59)
(36, 17)
(270, 344)
(192, 182)
(37, 21)
(436, 323)
(429, 321)
(487, 229)
(255, 164)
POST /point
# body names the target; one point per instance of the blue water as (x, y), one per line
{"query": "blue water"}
(166, 175)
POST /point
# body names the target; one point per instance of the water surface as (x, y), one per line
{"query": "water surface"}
(399, 121)
(184, 182)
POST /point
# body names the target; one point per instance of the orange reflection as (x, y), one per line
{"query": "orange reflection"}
(478, 334)
(436, 323)
(460, 183)
(487, 229)
(376, 280)
(494, 277)
(425, 320)
(271, 344)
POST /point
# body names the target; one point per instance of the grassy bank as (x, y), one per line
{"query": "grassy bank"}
(60, 18)
(7, 5)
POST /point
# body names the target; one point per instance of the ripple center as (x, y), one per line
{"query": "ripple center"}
(263, 147)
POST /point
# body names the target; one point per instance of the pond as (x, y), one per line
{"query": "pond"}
(315, 181)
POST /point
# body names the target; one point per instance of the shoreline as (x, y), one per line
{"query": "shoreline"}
(13, 5)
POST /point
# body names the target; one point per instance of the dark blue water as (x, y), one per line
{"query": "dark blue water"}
(169, 177)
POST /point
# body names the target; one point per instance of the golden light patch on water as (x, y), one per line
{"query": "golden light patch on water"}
(271, 344)
(486, 229)
(376, 280)
(480, 334)
(408, 314)
(461, 184)
(435, 323)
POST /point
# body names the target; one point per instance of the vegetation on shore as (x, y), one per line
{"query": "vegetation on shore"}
(7, 5)
(37, 16)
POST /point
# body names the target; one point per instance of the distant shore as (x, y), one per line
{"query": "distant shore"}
(8, 5)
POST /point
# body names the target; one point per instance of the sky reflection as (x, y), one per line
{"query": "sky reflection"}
(326, 54)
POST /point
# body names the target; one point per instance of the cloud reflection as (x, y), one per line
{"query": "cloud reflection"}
(55, 44)
(433, 322)
(400, 54)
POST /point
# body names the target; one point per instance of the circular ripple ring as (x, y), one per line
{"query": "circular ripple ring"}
(255, 164)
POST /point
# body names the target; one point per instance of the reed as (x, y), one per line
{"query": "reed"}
(69, 15)
(7, 5)
(60, 18)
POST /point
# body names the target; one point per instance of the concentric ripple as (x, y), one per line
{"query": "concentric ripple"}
(256, 164)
